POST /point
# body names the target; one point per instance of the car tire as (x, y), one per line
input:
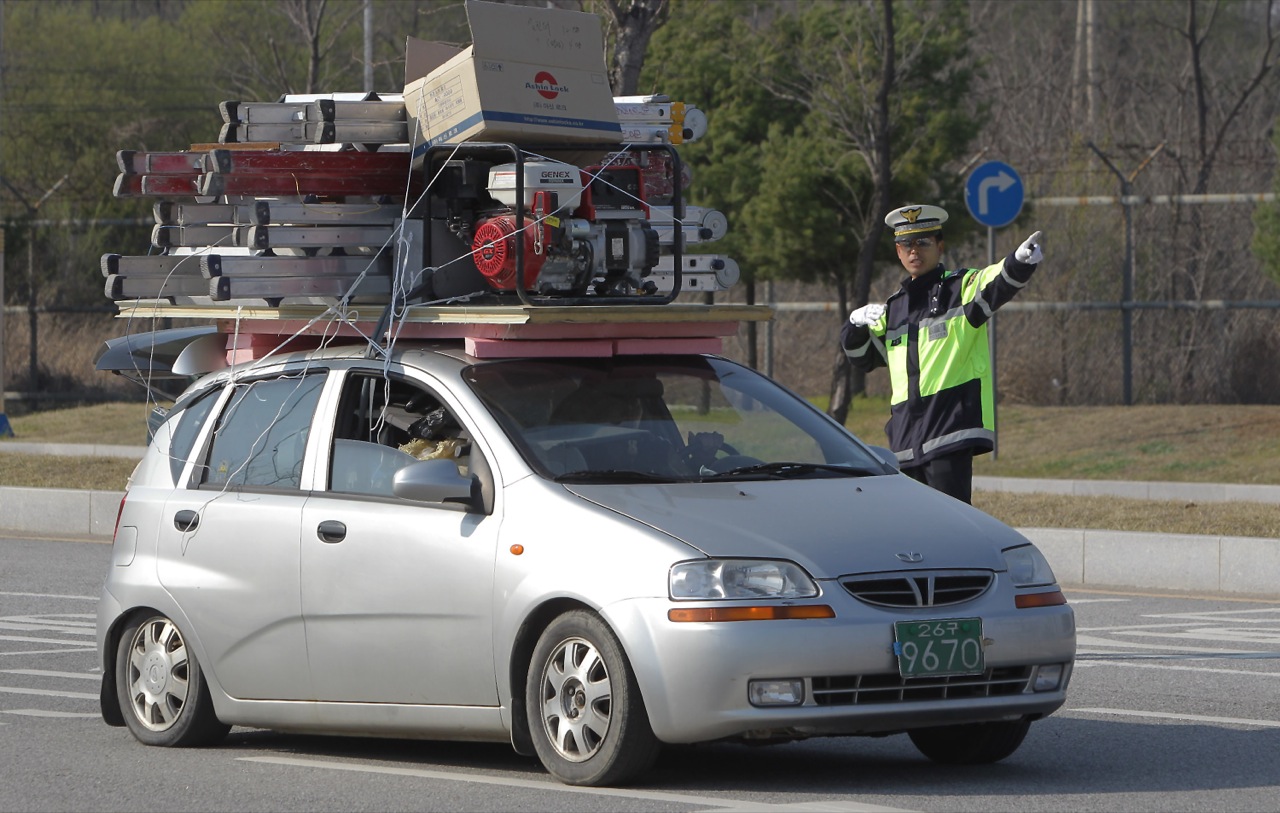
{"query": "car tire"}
(971, 743)
(585, 712)
(161, 690)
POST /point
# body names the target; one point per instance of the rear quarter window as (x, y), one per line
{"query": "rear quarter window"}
(190, 420)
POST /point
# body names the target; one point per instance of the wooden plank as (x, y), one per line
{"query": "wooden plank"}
(512, 321)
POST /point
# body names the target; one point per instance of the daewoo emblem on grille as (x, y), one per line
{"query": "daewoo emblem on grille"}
(910, 556)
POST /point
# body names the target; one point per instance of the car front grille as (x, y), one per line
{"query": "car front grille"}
(917, 588)
(858, 690)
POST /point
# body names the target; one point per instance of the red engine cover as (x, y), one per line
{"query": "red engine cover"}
(494, 249)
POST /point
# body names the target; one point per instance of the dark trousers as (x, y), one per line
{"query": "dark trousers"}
(951, 474)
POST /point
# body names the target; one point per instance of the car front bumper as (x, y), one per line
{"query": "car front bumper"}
(695, 676)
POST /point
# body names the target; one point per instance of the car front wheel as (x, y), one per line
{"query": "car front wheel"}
(586, 714)
(161, 689)
(971, 743)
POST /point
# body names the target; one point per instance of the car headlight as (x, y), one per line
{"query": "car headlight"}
(740, 579)
(1028, 567)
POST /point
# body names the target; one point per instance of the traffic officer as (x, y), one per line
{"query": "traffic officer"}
(932, 335)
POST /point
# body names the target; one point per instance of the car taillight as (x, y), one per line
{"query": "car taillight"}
(119, 513)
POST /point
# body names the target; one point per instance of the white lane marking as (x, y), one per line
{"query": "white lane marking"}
(1096, 600)
(1172, 668)
(63, 629)
(1127, 627)
(62, 651)
(1182, 718)
(1256, 636)
(555, 787)
(1214, 615)
(1106, 644)
(48, 693)
(71, 623)
(45, 713)
(48, 595)
(29, 640)
(50, 673)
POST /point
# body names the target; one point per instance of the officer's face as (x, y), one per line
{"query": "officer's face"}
(919, 254)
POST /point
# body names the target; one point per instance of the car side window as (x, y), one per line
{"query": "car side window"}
(385, 423)
(261, 436)
(190, 420)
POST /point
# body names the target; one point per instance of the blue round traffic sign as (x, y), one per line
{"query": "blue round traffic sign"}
(994, 194)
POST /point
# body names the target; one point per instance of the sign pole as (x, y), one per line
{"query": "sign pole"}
(991, 341)
(993, 193)
(5, 429)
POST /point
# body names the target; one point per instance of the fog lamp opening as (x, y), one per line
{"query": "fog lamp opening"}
(1048, 678)
(786, 692)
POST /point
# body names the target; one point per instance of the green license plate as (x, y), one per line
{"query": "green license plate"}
(942, 647)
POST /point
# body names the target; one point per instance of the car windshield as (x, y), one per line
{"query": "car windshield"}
(663, 419)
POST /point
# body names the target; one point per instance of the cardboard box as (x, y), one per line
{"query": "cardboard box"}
(531, 76)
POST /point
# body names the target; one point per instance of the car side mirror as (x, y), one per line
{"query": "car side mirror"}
(433, 481)
(887, 457)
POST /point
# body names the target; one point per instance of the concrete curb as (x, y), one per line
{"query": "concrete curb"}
(60, 512)
(73, 449)
(1131, 489)
(1203, 564)
(1080, 558)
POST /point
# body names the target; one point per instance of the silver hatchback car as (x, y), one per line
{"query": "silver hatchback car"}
(586, 557)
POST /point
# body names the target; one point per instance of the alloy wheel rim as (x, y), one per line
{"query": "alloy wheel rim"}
(158, 674)
(577, 700)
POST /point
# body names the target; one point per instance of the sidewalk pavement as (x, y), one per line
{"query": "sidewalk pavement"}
(1234, 565)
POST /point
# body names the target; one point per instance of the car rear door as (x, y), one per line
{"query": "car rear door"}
(229, 541)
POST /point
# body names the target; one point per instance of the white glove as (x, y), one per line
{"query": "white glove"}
(1029, 252)
(866, 315)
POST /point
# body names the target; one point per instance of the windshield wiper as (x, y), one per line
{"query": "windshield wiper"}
(613, 476)
(783, 471)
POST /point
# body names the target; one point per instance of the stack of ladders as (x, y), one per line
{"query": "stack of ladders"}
(336, 119)
(310, 200)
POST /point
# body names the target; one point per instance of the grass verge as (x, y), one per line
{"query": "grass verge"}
(1211, 444)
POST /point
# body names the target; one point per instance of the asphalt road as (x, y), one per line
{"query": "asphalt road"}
(1174, 706)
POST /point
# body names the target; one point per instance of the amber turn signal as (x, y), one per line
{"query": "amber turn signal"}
(750, 613)
(1039, 600)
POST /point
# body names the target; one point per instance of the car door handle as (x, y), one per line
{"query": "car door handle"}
(331, 531)
(186, 520)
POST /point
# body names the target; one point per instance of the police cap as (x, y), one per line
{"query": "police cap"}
(915, 218)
